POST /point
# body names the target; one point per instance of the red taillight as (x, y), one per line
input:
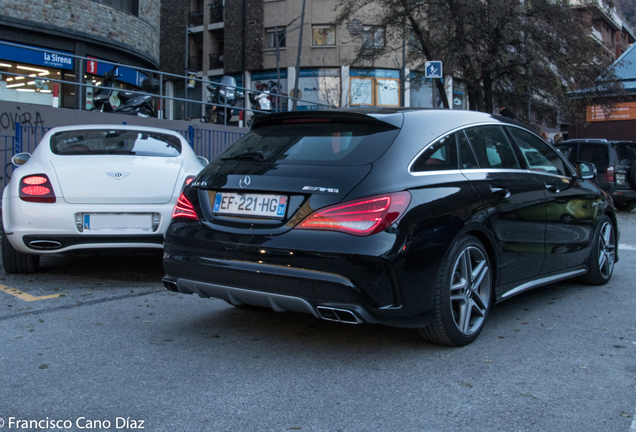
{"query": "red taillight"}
(361, 217)
(184, 209)
(609, 175)
(36, 188)
(189, 180)
(35, 180)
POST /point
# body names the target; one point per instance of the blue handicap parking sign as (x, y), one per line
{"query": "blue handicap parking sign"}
(434, 69)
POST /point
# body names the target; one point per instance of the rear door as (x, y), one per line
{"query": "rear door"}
(625, 175)
(514, 201)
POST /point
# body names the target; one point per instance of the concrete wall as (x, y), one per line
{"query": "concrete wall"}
(174, 22)
(91, 21)
(254, 35)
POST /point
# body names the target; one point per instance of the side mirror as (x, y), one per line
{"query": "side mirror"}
(203, 161)
(20, 158)
(585, 170)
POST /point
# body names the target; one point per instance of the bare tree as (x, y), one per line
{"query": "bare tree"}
(508, 52)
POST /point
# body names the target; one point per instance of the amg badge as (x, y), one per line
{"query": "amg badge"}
(320, 189)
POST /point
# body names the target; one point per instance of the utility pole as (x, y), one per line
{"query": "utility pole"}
(300, 47)
(403, 71)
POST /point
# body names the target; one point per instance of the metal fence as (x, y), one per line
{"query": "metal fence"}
(206, 143)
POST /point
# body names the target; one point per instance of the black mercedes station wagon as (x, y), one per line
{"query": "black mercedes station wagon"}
(409, 218)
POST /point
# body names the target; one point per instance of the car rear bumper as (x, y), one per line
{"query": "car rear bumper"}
(623, 194)
(45, 243)
(51, 228)
(327, 281)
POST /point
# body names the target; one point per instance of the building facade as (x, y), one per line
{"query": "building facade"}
(44, 40)
(257, 42)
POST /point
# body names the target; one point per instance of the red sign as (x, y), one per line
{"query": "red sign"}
(91, 66)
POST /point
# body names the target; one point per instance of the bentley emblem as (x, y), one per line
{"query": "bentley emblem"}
(118, 175)
(245, 182)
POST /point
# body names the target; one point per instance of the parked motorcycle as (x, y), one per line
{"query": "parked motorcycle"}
(260, 105)
(221, 99)
(106, 98)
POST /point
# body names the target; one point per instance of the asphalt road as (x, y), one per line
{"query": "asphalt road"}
(97, 342)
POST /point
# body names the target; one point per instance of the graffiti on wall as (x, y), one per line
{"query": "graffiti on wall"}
(25, 118)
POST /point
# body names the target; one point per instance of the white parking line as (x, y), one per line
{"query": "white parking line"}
(625, 246)
(633, 426)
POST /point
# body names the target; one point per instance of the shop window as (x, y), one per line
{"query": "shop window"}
(272, 34)
(323, 35)
(130, 6)
(377, 87)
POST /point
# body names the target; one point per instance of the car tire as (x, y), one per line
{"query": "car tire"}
(628, 205)
(17, 262)
(462, 296)
(603, 254)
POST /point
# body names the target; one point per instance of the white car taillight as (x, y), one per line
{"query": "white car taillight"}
(36, 188)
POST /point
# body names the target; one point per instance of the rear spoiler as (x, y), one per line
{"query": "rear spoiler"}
(393, 120)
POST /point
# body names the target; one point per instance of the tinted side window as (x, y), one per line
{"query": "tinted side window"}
(597, 154)
(492, 148)
(536, 153)
(467, 159)
(440, 156)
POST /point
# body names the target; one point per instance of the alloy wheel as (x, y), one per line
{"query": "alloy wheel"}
(607, 250)
(470, 290)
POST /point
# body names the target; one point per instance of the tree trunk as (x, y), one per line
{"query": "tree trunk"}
(486, 80)
(425, 50)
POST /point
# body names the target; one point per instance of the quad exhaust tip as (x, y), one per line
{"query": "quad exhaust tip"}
(170, 285)
(338, 315)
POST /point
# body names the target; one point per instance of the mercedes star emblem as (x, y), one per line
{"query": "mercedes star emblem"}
(245, 182)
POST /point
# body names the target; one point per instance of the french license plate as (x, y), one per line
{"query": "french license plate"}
(269, 206)
(117, 221)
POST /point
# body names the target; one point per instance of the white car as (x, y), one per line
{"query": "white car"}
(93, 187)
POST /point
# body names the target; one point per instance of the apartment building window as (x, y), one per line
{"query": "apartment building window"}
(373, 37)
(130, 6)
(323, 35)
(271, 35)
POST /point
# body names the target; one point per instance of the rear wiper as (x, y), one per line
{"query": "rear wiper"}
(257, 155)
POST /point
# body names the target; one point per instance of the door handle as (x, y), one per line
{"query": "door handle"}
(502, 192)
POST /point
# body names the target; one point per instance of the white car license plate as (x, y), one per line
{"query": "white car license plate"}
(117, 221)
(270, 206)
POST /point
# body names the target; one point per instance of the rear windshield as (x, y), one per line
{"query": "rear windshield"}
(314, 144)
(120, 142)
(625, 154)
